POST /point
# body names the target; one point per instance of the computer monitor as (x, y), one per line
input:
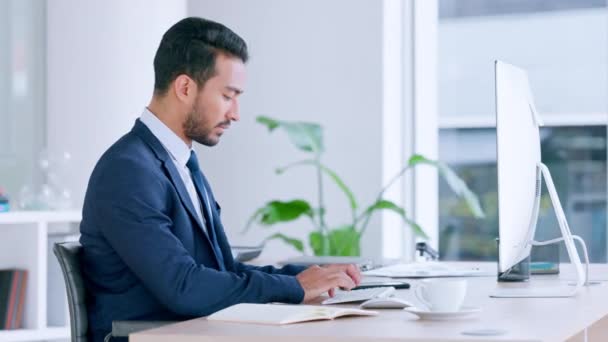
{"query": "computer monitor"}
(518, 153)
(520, 172)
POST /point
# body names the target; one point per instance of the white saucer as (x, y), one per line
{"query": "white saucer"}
(465, 312)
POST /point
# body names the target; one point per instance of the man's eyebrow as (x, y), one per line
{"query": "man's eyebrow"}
(234, 89)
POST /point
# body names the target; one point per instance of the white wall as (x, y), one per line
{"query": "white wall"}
(311, 60)
(100, 73)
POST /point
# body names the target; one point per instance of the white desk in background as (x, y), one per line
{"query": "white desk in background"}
(523, 319)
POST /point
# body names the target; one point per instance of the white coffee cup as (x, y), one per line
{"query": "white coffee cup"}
(445, 295)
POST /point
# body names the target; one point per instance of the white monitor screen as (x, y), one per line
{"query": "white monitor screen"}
(518, 153)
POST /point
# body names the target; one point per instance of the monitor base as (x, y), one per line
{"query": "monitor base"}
(536, 292)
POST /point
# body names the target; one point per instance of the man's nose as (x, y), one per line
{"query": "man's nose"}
(233, 114)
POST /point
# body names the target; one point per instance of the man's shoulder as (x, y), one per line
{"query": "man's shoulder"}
(129, 144)
(129, 154)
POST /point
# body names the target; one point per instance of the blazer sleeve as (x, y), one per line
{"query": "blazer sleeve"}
(240, 267)
(131, 207)
(291, 270)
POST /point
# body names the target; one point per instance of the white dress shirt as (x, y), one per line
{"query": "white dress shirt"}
(179, 152)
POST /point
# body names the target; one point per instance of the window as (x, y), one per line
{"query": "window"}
(22, 91)
(562, 44)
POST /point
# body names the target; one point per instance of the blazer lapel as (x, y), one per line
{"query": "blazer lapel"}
(185, 198)
(183, 193)
(142, 131)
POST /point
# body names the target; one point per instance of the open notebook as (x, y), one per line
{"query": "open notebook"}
(278, 314)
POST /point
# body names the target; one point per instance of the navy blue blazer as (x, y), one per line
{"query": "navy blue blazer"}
(145, 253)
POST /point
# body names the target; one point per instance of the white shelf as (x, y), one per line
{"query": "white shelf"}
(13, 217)
(26, 239)
(35, 334)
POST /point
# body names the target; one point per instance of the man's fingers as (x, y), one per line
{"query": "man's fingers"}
(344, 281)
(350, 269)
(354, 273)
(318, 280)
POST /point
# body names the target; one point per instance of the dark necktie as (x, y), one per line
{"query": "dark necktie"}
(203, 195)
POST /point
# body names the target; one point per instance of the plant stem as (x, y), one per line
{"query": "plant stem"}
(322, 225)
(368, 214)
(297, 163)
(367, 218)
(393, 180)
(317, 163)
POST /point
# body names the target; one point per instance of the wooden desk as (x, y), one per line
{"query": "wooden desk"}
(524, 319)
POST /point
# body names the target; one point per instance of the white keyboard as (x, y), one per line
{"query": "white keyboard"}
(359, 295)
(426, 270)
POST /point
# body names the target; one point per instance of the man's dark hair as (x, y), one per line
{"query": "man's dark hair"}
(190, 47)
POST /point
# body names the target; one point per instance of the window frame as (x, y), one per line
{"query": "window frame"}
(410, 120)
(422, 122)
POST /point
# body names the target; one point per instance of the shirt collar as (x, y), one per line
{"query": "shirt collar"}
(176, 147)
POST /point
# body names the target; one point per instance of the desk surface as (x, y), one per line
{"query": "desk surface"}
(524, 319)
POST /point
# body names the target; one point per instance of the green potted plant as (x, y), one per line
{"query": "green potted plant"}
(342, 240)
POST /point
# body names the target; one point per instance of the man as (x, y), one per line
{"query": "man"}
(154, 245)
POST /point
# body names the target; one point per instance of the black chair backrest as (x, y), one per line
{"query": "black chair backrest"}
(68, 254)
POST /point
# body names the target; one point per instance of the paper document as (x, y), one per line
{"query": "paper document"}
(278, 314)
(426, 270)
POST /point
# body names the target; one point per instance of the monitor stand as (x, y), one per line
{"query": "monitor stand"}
(582, 276)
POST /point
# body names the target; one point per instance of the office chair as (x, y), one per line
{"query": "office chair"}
(68, 255)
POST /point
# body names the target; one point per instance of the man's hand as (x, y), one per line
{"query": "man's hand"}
(317, 280)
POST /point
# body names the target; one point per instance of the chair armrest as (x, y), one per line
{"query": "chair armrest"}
(124, 328)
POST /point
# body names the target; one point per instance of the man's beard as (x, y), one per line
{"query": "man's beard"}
(195, 128)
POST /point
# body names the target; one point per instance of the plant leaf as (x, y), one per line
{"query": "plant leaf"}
(383, 204)
(278, 211)
(344, 241)
(252, 219)
(315, 239)
(349, 194)
(295, 243)
(417, 229)
(455, 183)
(270, 123)
(386, 204)
(306, 136)
(417, 159)
(461, 189)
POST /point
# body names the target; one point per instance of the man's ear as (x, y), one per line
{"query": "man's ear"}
(184, 88)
